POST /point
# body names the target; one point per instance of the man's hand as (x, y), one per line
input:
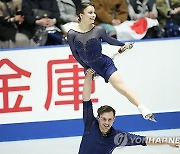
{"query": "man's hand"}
(18, 19)
(90, 71)
(116, 22)
(175, 11)
(51, 22)
(46, 22)
(174, 145)
(163, 141)
(150, 15)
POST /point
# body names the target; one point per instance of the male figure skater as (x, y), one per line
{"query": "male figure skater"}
(99, 136)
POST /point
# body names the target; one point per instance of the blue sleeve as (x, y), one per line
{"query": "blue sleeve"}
(88, 116)
(70, 37)
(135, 140)
(110, 40)
(128, 139)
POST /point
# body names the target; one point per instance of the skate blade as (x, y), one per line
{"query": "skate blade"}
(154, 120)
(150, 117)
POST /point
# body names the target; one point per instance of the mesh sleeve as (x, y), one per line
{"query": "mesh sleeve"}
(110, 40)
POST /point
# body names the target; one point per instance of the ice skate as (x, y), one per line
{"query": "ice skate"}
(146, 113)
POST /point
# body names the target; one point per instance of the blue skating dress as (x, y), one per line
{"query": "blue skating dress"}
(87, 50)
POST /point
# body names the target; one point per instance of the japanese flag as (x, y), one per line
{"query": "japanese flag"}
(134, 30)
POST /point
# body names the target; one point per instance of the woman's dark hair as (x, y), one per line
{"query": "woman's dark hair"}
(104, 109)
(81, 8)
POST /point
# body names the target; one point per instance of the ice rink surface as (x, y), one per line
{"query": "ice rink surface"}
(70, 145)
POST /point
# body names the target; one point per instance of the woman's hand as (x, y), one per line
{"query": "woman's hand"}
(128, 45)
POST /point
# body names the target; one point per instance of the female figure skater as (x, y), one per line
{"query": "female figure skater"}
(85, 44)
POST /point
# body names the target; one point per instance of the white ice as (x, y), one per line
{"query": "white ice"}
(70, 145)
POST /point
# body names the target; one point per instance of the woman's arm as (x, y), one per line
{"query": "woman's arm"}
(110, 40)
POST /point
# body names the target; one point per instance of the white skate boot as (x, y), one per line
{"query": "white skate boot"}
(146, 113)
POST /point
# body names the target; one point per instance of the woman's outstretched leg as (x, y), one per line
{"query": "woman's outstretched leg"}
(116, 81)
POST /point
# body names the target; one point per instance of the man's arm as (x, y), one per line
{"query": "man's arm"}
(171, 141)
(88, 115)
(129, 139)
(87, 85)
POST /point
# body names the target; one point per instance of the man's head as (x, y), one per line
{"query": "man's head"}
(106, 116)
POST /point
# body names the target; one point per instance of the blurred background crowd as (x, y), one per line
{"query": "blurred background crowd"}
(26, 23)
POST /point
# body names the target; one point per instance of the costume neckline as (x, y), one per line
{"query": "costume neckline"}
(84, 32)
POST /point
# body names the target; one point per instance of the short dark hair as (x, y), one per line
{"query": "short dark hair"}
(82, 7)
(104, 109)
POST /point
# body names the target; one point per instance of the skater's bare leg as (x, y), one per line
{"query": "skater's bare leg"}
(116, 81)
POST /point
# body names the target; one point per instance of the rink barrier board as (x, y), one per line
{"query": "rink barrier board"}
(74, 127)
